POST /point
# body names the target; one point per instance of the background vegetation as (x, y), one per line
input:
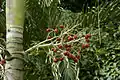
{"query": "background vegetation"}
(101, 19)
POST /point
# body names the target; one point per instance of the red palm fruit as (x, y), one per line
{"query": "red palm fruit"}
(61, 26)
(49, 37)
(68, 45)
(87, 45)
(69, 55)
(55, 50)
(83, 46)
(55, 60)
(68, 49)
(75, 60)
(60, 46)
(48, 30)
(2, 62)
(66, 53)
(65, 45)
(58, 39)
(78, 52)
(70, 38)
(73, 57)
(61, 59)
(89, 35)
(87, 40)
(56, 30)
(78, 56)
(86, 37)
(75, 36)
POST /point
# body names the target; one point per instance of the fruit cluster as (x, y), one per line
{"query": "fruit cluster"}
(2, 62)
(67, 45)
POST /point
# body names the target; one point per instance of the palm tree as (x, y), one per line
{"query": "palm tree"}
(14, 39)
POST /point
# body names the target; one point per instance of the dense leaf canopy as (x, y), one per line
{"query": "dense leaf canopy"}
(81, 5)
(101, 61)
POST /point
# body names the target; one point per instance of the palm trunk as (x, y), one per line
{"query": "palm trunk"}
(14, 39)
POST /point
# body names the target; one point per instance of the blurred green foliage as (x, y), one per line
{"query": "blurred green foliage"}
(100, 62)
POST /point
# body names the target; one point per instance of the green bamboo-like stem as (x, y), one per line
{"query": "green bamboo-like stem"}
(14, 38)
